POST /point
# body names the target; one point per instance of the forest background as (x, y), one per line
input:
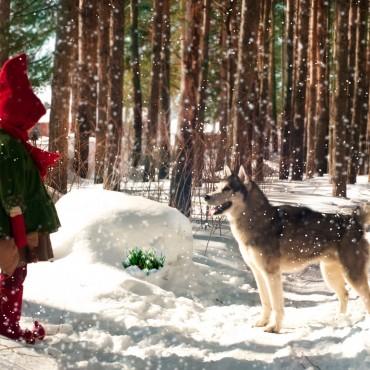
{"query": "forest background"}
(237, 82)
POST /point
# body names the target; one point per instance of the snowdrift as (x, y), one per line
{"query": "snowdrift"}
(114, 223)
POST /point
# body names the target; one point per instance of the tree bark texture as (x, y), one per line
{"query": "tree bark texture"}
(152, 152)
(286, 128)
(228, 35)
(202, 95)
(312, 92)
(181, 180)
(340, 121)
(300, 93)
(165, 101)
(322, 122)
(114, 131)
(103, 72)
(60, 90)
(136, 82)
(87, 84)
(246, 91)
(358, 132)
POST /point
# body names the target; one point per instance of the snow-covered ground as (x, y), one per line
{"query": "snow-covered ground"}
(195, 313)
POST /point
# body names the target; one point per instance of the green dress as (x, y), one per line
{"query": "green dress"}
(21, 186)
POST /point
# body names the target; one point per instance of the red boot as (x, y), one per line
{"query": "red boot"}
(11, 294)
(38, 331)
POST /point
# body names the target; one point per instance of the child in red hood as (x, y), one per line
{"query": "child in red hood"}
(27, 213)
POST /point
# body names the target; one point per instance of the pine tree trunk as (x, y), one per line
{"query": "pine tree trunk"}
(136, 82)
(300, 93)
(227, 72)
(366, 148)
(75, 77)
(272, 85)
(244, 107)
(223, 104)
(87, 84)
(152, 153)
(181, 179)
(60, 88)
(322, 122)
(312, 89)
(233, 52)
(361, 94)
(115, 102)
(285, 148)
(103, 58)
(352, 27)
(340, 109)
(165, 112)
(202, 96)
(263, 124)
(4, 30)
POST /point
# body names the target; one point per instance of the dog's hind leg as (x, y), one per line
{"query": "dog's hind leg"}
(264, 297)
(275, 288)
(354, 259)
(333, 276)
(361, 286)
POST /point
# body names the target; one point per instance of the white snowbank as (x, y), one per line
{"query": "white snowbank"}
(115, 222)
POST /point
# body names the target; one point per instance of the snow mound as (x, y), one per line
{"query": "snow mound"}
(110, 223)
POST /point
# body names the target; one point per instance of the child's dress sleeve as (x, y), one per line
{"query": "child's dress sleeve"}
(12, 180)
(12, 183)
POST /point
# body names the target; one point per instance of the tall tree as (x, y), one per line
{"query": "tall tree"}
(75, 76)
(246, 91)
(229, 44)
(181, 180)
(272, 84)
(60, 88)
(312, 90)
(263, 124)
(114, 131)
(103, 59)
(300, 93)
(352, 27)
(286, 128)
(151, 159)
(361, 93)
(165, 101)
(136, 82)
(322, 122)
(202, 96)
(87, 84)
(4, 30)
(340, 122)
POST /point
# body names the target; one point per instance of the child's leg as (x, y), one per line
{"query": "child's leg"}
(11, 293)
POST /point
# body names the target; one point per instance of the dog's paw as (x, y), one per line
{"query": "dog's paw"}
(273, 328)
(263, 321)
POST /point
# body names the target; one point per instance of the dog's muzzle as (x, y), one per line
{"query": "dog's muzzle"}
(220, 208)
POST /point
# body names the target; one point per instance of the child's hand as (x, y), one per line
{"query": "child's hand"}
(33, 239)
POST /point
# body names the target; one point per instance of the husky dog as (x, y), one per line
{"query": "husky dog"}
(276, 239)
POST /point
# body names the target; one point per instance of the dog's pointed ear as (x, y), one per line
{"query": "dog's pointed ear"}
(227, 171)
(243, 175)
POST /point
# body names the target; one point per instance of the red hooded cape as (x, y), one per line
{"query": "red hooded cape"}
(20, 109)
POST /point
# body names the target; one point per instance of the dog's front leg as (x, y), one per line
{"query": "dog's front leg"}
(264, 297)
(275, 289)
